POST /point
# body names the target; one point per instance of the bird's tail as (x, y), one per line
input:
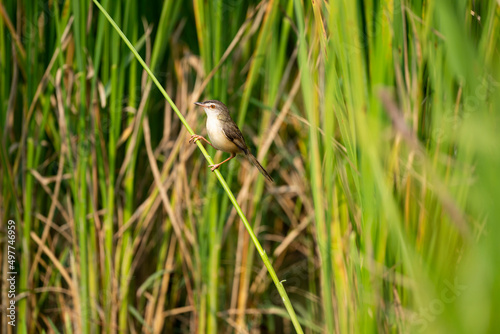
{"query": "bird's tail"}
(257, 164)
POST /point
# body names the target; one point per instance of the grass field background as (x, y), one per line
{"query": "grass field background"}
(379, 121)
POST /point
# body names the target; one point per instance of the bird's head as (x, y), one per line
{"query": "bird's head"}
(213, 107)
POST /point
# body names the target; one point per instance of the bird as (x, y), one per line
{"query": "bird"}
(225, 135)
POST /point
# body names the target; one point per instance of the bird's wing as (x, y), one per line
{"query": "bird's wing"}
(232, 132)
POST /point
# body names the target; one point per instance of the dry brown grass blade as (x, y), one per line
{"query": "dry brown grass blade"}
(12, 30)
(177, 311)
(57, 228)
(42, 181)
(57, 264)
(238, 269)
(163, 194)
(159, 317)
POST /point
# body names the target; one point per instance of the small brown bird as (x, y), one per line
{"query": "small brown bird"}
(225, 135)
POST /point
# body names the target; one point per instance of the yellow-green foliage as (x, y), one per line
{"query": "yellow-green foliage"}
(378, 120)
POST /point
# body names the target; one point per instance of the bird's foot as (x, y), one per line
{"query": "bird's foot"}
(195, 138)
(214, 167)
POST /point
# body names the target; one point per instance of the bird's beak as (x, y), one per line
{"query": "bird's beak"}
(199, 104)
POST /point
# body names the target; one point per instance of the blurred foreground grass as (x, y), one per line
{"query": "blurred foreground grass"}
(379, 121)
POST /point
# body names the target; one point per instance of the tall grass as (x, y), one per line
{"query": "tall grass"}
(377, 119)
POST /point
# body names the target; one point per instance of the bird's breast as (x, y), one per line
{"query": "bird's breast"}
(217, 136)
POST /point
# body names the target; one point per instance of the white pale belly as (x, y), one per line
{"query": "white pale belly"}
(217, 137)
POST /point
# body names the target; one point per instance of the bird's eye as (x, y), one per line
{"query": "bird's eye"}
(212, 106)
